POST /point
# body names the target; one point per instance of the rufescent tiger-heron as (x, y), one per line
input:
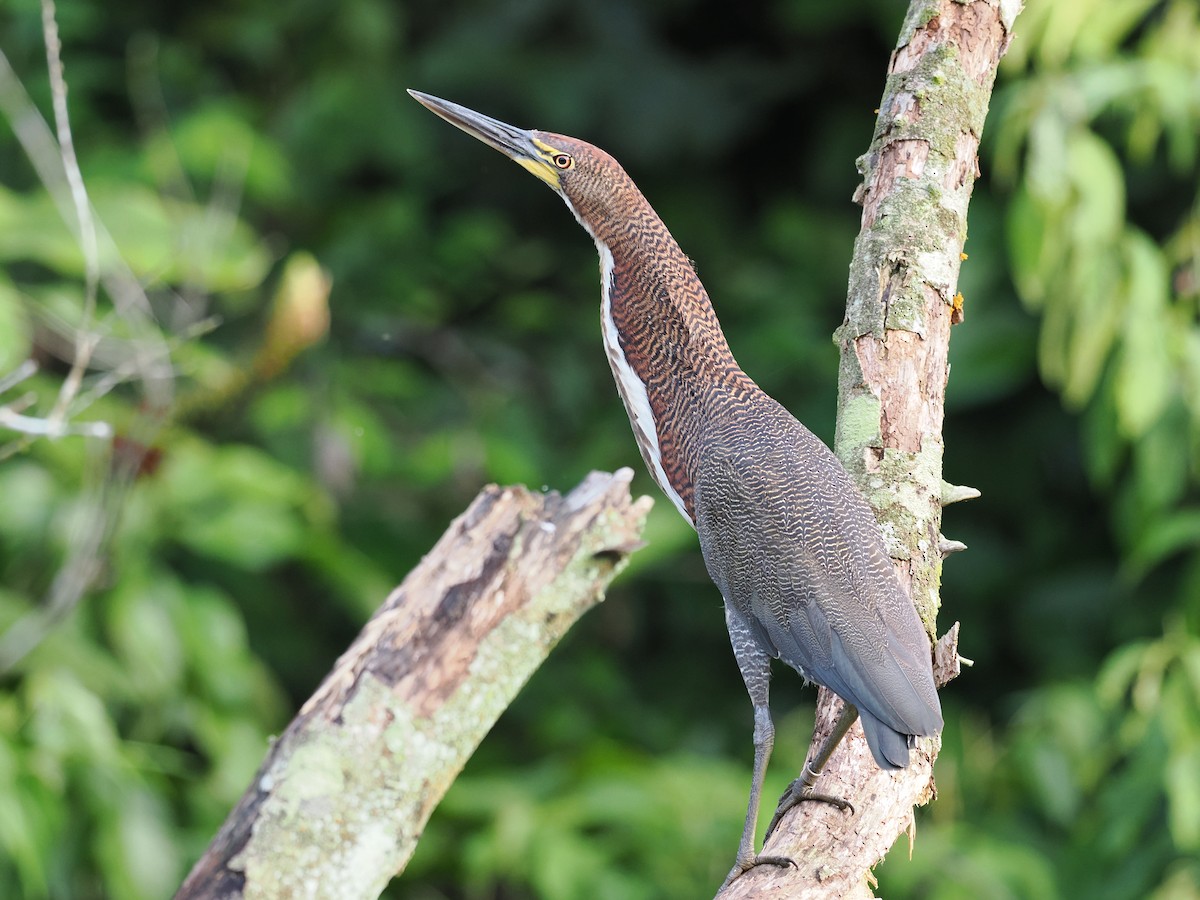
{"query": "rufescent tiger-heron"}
(790, 542)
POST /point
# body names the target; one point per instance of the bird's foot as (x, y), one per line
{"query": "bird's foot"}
(799, 791)
(742, 866)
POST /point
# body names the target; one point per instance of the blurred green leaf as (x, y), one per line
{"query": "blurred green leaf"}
(216, 144)
(175, 242)
(1097, 214)
(134, 847)
(1094, 305)
(144, 629)
(69, 721)
(236, 503)
(1183, 792)
(20, 835)
(14, 328)
(1175, 533)
(1144, 375)
(1036, 255)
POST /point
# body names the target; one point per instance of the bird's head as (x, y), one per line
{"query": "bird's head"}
(592, 183)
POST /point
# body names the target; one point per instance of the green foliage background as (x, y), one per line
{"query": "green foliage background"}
(221, 141)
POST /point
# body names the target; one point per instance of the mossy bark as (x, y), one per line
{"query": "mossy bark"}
(338, 806)
(917, 179)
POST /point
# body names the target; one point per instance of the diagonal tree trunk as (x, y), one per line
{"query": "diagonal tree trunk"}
(917, 179)
(339, 804)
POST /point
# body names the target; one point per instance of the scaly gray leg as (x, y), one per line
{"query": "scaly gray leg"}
(802, 788)
(755, 664)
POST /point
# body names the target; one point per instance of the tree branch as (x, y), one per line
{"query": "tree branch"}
(917, 179)
(338, 805)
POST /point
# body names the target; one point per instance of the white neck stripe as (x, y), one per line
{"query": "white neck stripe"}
(630, 387)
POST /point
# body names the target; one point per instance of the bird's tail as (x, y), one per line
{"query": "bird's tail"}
(888, 746)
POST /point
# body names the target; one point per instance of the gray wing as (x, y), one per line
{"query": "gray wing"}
(796, 549)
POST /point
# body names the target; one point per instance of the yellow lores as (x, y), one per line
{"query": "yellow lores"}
(547, 165)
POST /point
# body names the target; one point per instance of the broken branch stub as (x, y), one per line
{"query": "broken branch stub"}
(338, 805)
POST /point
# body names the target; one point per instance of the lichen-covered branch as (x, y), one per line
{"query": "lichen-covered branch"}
(917, 179)
(337, 808)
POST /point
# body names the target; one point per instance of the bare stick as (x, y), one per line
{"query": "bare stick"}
(918, 175)
(147, 352)
(110, 473)
(337, 807)
(85, 341)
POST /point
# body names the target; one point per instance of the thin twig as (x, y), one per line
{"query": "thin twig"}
(123, 287)
(108, 475)
(100, 505)
(25, 370)
(86, 340)
(129, 368)
(51, 428)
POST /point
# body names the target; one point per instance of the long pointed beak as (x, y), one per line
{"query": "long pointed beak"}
(518, 144)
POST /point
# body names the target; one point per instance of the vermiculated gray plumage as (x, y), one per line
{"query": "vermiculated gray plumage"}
(795, 549)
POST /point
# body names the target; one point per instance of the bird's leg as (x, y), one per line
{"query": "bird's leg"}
(802, 788)
(755, 665)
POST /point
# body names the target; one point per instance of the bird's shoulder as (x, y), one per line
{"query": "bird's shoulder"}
(761, 501)
(769, 466)
(783, 528)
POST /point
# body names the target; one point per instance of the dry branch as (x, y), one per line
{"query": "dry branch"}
(917, 181)
(337, 807)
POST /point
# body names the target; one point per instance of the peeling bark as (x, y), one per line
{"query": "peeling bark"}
(338, 805)
(917, 179)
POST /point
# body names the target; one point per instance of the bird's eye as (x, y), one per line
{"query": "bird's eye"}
(562, 160)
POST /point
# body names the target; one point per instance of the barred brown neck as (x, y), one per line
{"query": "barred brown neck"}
(664, 344)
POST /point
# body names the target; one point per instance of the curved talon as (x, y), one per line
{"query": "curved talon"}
(781, 861)
(741, 867)
(799, 791)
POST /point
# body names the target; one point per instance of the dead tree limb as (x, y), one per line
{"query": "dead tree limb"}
(917, 180)
(338, 805)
